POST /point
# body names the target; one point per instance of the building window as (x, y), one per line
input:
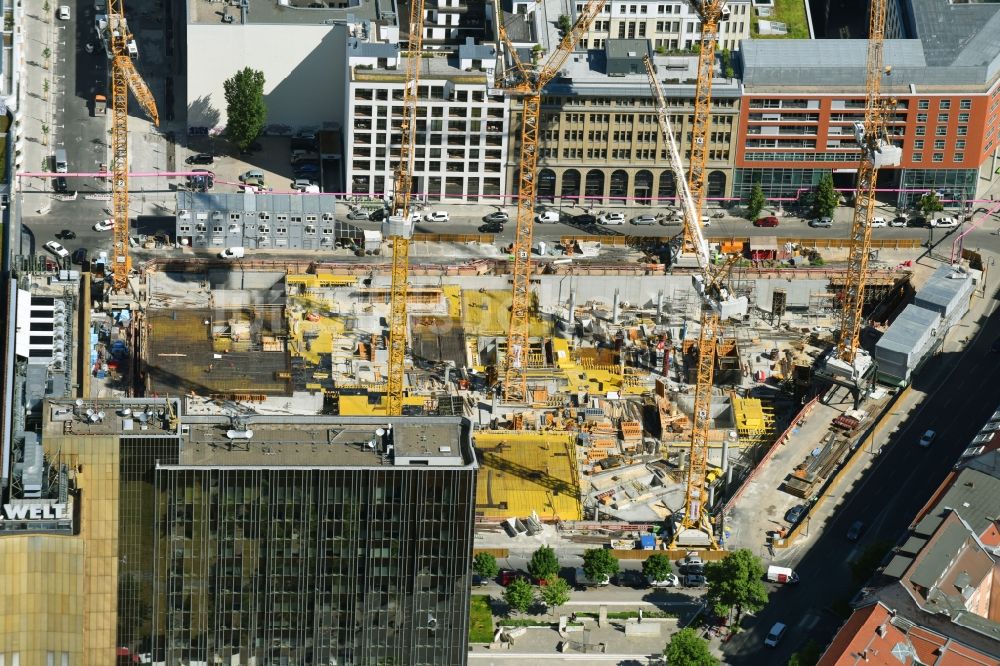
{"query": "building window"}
(919, 144)
(924, 104)
(938, 157)
(963, 117)
(962, 130)
(941, 130)
(920, 130)
(921, 117)
(939, 144)
(960, 144)
(959, 157)
(918, 157)
(944, 104)
(943, 117)
(965, 104)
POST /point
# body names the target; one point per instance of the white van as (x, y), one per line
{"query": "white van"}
(781, 575)
(61, 164)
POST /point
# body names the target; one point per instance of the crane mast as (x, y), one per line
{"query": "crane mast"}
(399, 225)
(124, 77)
(527, 83)
(876, 152)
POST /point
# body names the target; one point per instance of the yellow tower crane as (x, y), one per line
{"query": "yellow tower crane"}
(399, 227)
(124, 77)
(694, 527)
(877, 151)
(527, 83)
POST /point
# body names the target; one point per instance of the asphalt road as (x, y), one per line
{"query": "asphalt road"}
(886, 499)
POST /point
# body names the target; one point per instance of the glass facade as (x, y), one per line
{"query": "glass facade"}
(953, 184)
(776, 182)
(346, 566)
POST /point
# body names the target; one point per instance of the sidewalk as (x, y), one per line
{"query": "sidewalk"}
(36, 101)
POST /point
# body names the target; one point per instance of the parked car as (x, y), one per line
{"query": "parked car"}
(105, 225)
(57, 249)
(200, 158)
(79, 255)
(251, 175)
(437, 216)
(508, 576)
(769, 221)
(377, 215)
(612, 218)
(898, 221)
(60, 185)
(63, 13)
(302, 184)
(491, 228)
(672, 580)
(927, 438)
(775, 635)
(66, 234)
(918, 221)
(694, 580)
(497, 216)
(944, 222)
(232, 253)
(357, 214)
(855, 530)
(305, 168)
(795, 514)
(821, 222)
(303, 155)
(547, 217)
(585, 218)
(879, 221)
(644, 220)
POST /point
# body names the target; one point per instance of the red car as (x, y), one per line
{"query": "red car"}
(766, 222)
(507, 577)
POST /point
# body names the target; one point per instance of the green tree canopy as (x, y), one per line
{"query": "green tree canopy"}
(657, 567)
(564, 23)
(826, 199)
(485, 565)
(687, 648)
(519, 595)
(757, 201)
(599, 564)
(543, 563)
(807, 656)
(736, 583)
(555, 592)
(245, 109)
(930, 203)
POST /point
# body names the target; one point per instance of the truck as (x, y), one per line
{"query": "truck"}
(781, 575)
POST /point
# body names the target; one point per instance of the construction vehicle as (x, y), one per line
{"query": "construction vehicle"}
(398, 226)
(120, 47)
(527, 82)
(849, 365)
(719, 304)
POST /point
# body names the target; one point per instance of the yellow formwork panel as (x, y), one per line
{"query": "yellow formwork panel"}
(749, 414)
(320, 280)
(453, 296)
(358, 405)
(487, 312)
(523, 472)
(322, 333)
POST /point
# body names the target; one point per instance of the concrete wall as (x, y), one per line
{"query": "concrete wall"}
(303, 69)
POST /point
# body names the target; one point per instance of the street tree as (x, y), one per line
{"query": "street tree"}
(808, 655)
(519, 595)
(657, 567)
(757, 201)
(554, 593)
(687, 648)
(826, 199)
(930, 203)
(485, 565)
(543, 563)
(245, 109)
(735, 584)
(599, 564)
(564, 24)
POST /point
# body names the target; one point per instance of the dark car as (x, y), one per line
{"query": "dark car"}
(377, 215)
(309, 168)
(66, 234)
(995, 347)
(200, 158)
(79, 255)
(60, 185)
(769, 221)
(303, 144)
(586, 218)
(918, 221)
(855, 530)
(795, 514)
(498, 216)
(491, 228)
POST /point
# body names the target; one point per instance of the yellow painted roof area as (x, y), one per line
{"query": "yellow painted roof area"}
(528, 471)
(487, 312)
(321, 280)
(358, 405)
